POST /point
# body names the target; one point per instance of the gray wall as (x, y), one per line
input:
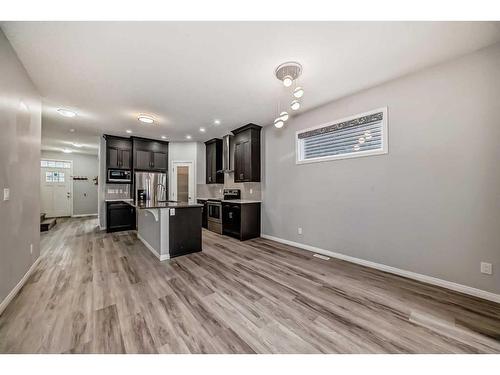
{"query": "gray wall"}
(84, 192)
(431, 205)
(20, 122)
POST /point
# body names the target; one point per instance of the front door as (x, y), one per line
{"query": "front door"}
(183, 181)
(55, 182)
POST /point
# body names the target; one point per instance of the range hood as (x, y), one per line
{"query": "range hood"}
(227, 154)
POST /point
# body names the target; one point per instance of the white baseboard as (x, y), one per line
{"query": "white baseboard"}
(18, 287)
(84, 215)
(146, 243)
(397, 271)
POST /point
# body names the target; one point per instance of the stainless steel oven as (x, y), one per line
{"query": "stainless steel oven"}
(214, 216)
(119, 176)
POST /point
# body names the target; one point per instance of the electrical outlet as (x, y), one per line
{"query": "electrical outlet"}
(486, 268)
(6, 194)
(299, 230)
(251, 191)
(31, 248)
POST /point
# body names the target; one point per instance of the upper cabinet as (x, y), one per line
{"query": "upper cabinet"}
(247, 153)
(150, 155)
(214, 173)
(118, 152)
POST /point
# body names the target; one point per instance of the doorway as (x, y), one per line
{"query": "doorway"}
(56, 188)
(183, 189)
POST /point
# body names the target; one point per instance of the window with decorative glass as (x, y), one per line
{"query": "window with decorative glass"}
(364, 134)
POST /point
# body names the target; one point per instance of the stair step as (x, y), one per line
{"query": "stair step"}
(47, 224)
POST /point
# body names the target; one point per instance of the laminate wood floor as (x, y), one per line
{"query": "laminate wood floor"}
(94, 292)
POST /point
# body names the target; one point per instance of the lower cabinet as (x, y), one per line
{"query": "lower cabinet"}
(204, 213)
(241, 220)
(119, 216)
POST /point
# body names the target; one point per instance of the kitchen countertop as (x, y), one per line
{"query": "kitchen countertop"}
(119, 200)
(237, 201)
(150, 205)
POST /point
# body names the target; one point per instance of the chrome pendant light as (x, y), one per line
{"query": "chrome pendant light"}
(288, 73)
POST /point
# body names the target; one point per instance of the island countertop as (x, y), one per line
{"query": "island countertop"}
(152, 205)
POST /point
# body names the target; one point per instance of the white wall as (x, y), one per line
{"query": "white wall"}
(84, 192)
(431, 205)
(20, 122)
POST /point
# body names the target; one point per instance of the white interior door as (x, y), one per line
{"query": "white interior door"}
(183, 181)
(56, 188)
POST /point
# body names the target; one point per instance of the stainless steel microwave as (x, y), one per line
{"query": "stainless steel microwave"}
(118, 175)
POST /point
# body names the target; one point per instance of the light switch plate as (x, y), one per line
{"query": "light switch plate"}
(6, 194)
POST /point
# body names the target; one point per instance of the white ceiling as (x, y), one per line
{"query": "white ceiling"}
(186, 74)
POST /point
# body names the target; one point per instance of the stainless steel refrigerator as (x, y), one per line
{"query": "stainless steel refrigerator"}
(153, 186)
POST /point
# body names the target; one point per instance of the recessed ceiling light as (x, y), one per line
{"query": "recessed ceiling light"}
(67, 151)
(128, 131)
(66, 112)
(77, 145)
(146, 119)
(163, 137)
(188, 137)
(216, 122)
(72, 130)
(202, 130)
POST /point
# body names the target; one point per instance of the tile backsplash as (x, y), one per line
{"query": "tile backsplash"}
(249, 190)
(117, 191)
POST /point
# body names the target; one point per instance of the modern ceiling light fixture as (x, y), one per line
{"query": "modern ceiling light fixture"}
(66, 112)
(146, 119)
(295, 105)
(279, 123)
(67, 151)
(128, 131)
(202, 130)
(216, 122)
(284, 116)
(288, 72)
(298, 92)
(163, 137)
(188, 136)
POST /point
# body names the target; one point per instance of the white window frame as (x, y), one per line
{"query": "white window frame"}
(384, 150)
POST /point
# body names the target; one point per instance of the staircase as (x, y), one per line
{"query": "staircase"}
(46, 224)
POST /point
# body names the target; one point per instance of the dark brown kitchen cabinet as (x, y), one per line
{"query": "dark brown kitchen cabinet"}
(118, 152)
(241, 220)
(247, 153)
(214, 173)
(120, 216)
(150, 155)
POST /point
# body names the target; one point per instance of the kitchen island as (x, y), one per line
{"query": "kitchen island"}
(169, 229)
